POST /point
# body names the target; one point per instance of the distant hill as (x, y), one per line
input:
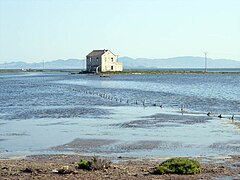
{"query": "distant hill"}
(55, 64)
(130, 63)
(177, 62)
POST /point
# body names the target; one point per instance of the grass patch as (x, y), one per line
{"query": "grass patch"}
(178, 166)
(84, 164)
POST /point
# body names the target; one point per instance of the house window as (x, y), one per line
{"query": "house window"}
(97, 59)
(112, 59)
(111, 67)
(90, 59)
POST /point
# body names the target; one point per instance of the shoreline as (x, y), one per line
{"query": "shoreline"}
(45, 166)
(160, 71)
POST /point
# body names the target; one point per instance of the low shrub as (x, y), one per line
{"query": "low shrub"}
(84, 164)
(94, 164)
(178, 166)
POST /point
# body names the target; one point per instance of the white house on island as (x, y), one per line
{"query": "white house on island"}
(102, 61)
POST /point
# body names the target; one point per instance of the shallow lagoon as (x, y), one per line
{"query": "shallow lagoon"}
(63, 113)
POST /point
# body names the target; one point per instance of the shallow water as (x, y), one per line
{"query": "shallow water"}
(119, 115)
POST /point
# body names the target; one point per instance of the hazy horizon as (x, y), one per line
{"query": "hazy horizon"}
(76, 58)
(186, 62)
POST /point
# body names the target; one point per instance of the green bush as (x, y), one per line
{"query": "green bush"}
(178, 166)
(84, 164)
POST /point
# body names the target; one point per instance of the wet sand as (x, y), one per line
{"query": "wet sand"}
(164, 120)
(84, 145)
(46, 166)
(111, 146)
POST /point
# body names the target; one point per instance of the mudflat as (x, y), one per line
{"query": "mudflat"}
(136, 121)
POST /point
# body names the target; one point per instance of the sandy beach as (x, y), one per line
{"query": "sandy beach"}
(47, 166)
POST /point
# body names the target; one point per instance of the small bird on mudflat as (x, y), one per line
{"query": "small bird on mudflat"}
(220, 116)
(208, 114)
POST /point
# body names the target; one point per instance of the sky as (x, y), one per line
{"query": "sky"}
(36, 30)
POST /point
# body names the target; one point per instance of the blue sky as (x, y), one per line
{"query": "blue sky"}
(36, 30)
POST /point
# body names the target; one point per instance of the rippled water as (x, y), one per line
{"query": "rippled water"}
(134, 114)
(199, 92)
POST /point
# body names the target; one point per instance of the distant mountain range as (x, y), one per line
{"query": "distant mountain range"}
(130, 63)
(178, 62)
(55, 64)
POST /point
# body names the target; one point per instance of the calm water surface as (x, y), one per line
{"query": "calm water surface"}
(132, 115)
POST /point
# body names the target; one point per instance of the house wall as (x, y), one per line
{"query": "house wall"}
(93, 63)
(118, 66)
(109, 62)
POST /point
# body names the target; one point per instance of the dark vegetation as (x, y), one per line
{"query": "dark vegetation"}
(178, 166)
(162, 71)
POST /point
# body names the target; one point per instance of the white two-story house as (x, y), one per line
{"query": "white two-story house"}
(102, 61)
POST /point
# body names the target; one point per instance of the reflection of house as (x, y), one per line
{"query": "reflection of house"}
(102, 61)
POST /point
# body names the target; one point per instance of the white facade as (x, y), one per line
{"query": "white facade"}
(102, 61)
